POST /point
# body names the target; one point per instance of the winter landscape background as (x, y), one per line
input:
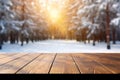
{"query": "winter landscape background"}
(63, 26)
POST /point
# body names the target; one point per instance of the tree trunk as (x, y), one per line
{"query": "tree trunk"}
(94, 41)
(22, 39)
(114, 36)
(27, 40)
(108, 26)
(0, 42)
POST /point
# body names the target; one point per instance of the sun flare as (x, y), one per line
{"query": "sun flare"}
(54, 15)
(53, 10)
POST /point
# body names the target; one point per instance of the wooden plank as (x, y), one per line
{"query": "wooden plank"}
(5, 55)
(110, 63)
(15, 65)
(108, 55)
(113, 57)
(64, 64)
(10, 58)
(40, 65)
(87, 65)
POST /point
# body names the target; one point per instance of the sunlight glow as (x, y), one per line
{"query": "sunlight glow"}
(54, 15)
(53, 9)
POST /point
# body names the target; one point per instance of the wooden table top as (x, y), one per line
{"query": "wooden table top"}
(77, 63)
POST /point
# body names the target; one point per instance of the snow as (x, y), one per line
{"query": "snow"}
(80, 11)
(116, 7)
(59, 46)
(102, 6)
(115, 22)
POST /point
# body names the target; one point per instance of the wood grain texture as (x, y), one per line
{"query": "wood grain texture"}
(5, 55)
(15, 65)
(81, 63)
(110, 62)
(10, 58)
(64, 64)
(40, 65)
(87, 65)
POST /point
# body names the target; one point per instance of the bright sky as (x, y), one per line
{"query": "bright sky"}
(53, 9)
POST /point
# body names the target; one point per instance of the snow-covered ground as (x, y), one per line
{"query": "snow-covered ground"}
(59, 46)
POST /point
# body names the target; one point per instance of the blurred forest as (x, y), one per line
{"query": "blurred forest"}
(82, 20)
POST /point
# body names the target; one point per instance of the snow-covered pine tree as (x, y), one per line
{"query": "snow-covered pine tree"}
(115, 20)
(88, 28)
(73, 21)
(34, 26)
(108, 13)
(94, 16)
(6, 20)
